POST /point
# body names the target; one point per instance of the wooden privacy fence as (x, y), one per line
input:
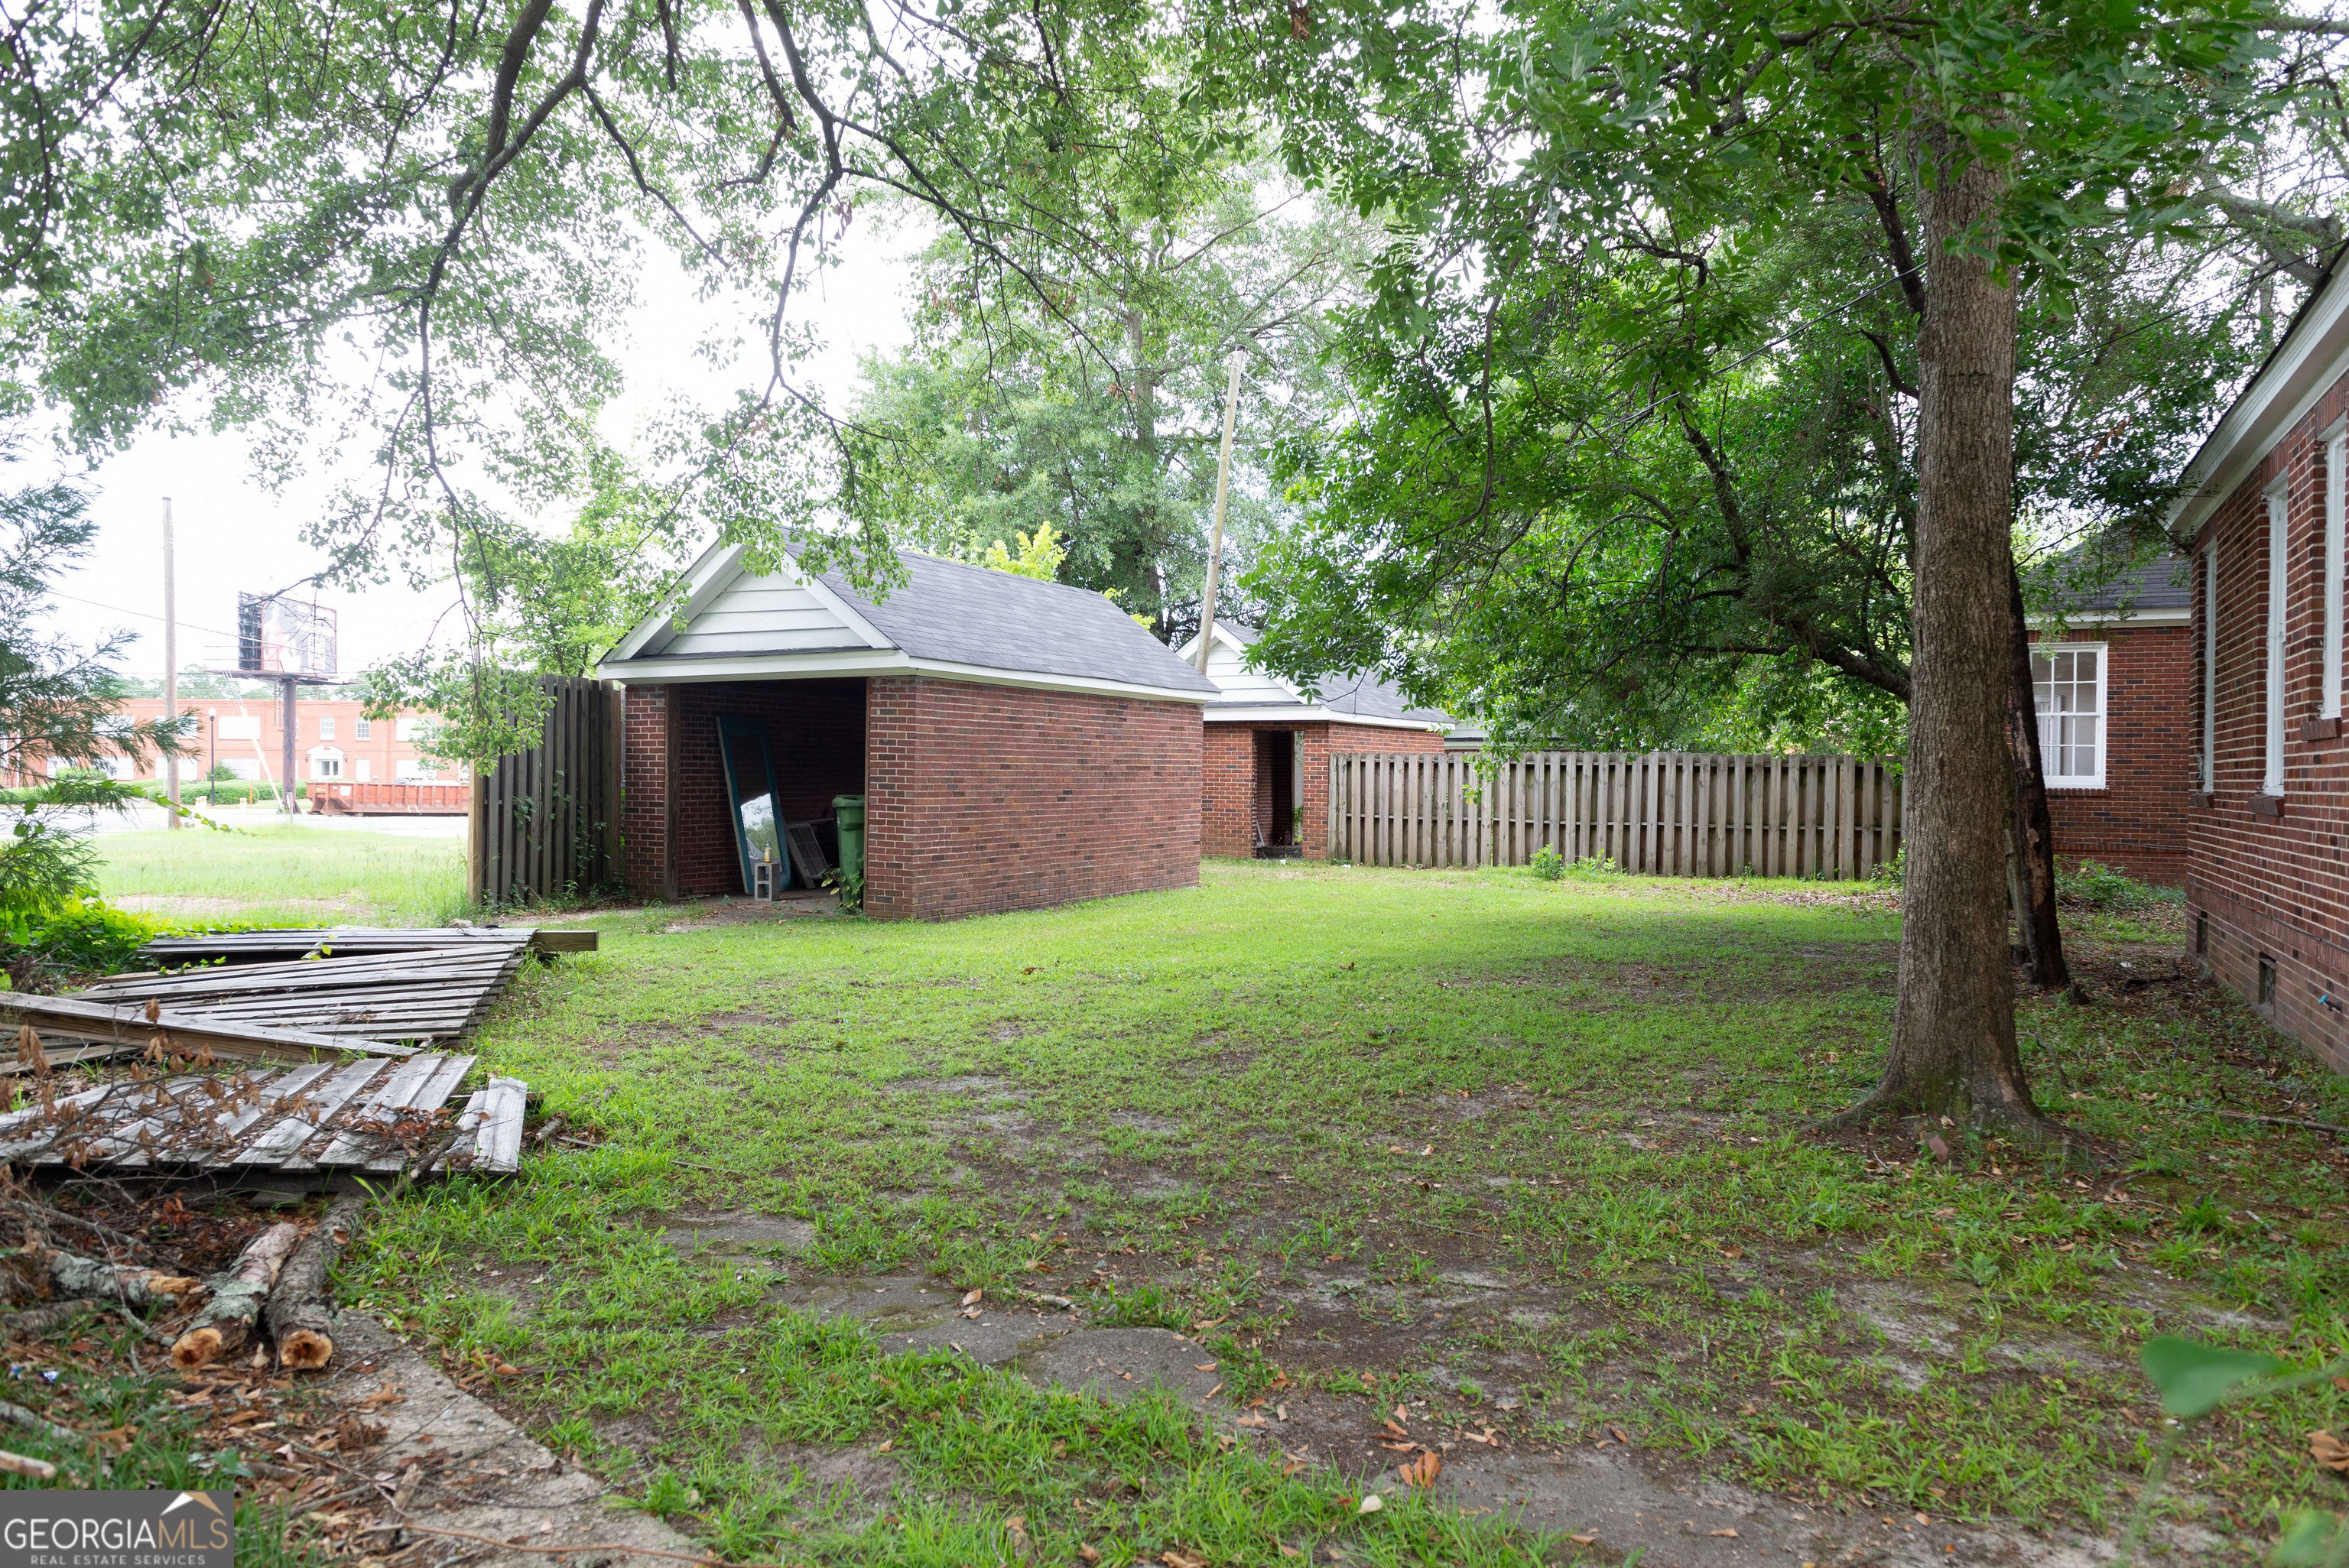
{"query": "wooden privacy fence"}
(1665, 813)
(546, 823)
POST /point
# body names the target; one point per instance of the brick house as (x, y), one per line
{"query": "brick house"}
(332, 739)
(2268, 822)
(1018, 743)
(1265, 784)
(2113, 678)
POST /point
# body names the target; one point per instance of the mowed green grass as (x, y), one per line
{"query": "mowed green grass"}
(280, 873)
(1603, 1087)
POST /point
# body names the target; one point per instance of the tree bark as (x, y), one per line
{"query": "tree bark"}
(1953, 1050)
(224, 1323)
(298, 1315)
(2034, 830)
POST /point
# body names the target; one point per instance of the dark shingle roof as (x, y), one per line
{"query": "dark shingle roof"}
(2161, 583)
(965, 614)
(1360, 694)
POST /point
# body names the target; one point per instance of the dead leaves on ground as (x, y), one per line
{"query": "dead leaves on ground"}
(2329, 1451)
(1423, 1470)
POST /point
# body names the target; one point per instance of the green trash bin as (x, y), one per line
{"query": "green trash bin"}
(848, 813)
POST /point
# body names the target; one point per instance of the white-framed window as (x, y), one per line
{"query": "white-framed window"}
(414, 770)
(2210, 666)
(326, 762)
(404, 726)
(364, 770)
(2336, 471)
(326, 726)
(240, 727)
(2272, 777)
(2068, 690)
(244, 768)
(365, 729)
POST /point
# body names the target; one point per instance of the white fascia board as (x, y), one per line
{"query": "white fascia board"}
(818, 665)
(1269, 713)
(707, 577)
(2178, 617)
(1190, 649)
(2305, 363)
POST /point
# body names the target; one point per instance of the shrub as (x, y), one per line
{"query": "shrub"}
(78, 935)
(1548, 864)
(2098, 886)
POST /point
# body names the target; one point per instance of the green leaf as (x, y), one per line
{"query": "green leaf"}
(2194, 1378)
(2305, 1540)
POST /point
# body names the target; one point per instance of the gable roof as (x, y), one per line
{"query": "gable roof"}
(1357, 697)
(2150, 593)
(949, 619)
(2304, 362)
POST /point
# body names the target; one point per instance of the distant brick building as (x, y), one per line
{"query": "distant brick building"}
(1018, 743)
(2112, 688)
(1264, 782)
(2268, 827)
(332, 739)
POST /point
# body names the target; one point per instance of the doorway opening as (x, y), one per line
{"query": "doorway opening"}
(1275, 810)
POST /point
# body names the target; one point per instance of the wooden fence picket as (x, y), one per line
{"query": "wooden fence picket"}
(1659, 813)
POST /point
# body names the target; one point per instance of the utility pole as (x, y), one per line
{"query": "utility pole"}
(290, 683)
(171, 669)
(1223, 489)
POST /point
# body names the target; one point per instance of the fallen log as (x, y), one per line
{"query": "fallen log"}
(41, 1319)
(125, 1282)
(223, 1324)
(17, 1416)
(299, 1317)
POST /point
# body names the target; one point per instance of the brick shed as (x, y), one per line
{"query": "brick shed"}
(1018, 743)
(2114, 681)
(1266, 785)
(2267, 824)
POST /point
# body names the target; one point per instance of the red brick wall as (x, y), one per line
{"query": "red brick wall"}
(2136, 822)
(1227, 790)
(986, 798)
(1229, 784)
(816, 740)
(2274, 886)
(644, 791)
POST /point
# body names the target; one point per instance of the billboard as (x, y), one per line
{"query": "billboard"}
(277, 635)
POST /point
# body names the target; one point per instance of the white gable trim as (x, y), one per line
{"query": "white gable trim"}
(831, 663)
(867, 632)
(2310, 359)
(707, 578)
(719, 569)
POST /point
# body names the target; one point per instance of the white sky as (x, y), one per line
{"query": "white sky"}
(233, 536)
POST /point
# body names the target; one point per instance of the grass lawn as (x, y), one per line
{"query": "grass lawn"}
(282, 873)
(1511, 1160)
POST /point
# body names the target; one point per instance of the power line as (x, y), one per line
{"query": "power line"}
(142, 614)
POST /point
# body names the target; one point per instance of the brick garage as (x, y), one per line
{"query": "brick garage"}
(1252, 770)
(1018, 744)
(1264, 789)
(2268, 829)
(2131, 815)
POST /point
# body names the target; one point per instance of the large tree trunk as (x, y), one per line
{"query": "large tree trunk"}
(1953, 1051)
(2034, 830)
